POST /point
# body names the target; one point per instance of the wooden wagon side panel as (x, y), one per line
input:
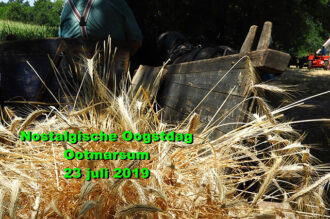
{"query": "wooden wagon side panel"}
(230, 106)
(18, 79)
(183, 90)
(185, 85)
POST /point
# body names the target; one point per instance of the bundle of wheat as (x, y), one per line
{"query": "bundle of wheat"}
(258, 169)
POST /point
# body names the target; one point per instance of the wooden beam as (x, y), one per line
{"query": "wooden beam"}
(265, 36)
(207, 80)
(201, 66)
(144, 76)
(248, 42)
(270, 61)
(203, 74)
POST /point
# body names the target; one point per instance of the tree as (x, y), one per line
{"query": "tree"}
(15, 11)
(46, 12)
(298, 25)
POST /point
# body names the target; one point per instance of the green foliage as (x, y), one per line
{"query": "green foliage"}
(312, 38)
(44, 12)
(299, 26)
(3, 12)
(26, 31)
(16, 12)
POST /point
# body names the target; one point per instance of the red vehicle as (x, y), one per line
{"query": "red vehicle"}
(321, 61)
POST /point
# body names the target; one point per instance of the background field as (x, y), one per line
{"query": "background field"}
(26, 31)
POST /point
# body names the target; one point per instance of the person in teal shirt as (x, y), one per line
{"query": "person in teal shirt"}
(103, 18)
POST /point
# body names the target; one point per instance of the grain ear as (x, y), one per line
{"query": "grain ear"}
(30, 119)
(86, 189)
(2, 195)
(53, 205)
(15, 189)
(88, 205)
(137, 209)
(193, 124)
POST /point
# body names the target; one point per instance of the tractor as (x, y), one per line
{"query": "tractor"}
(318, 61)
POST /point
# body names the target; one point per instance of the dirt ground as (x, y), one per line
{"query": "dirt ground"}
(306, 83)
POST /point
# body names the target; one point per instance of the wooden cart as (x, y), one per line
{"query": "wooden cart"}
(219, 88)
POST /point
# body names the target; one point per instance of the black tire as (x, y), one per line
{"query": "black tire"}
(309, 64)
(326, 65)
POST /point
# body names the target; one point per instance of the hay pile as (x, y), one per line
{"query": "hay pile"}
(234, 176)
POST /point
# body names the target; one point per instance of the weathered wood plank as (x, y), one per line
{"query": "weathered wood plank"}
(248, 42)
(265, 36)
(144, 76)
(18, 80)
(184, 99)
(214, 64)
(225, 124)
(237, 77)
(271, 61)
(30, 47)
(176, 118)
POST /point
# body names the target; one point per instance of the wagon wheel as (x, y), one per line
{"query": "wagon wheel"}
(326, 65)
(309, 64)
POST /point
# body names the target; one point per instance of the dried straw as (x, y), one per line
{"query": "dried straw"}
(227, 177)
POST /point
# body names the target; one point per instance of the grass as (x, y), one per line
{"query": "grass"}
(26, 31)
(235, 176)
